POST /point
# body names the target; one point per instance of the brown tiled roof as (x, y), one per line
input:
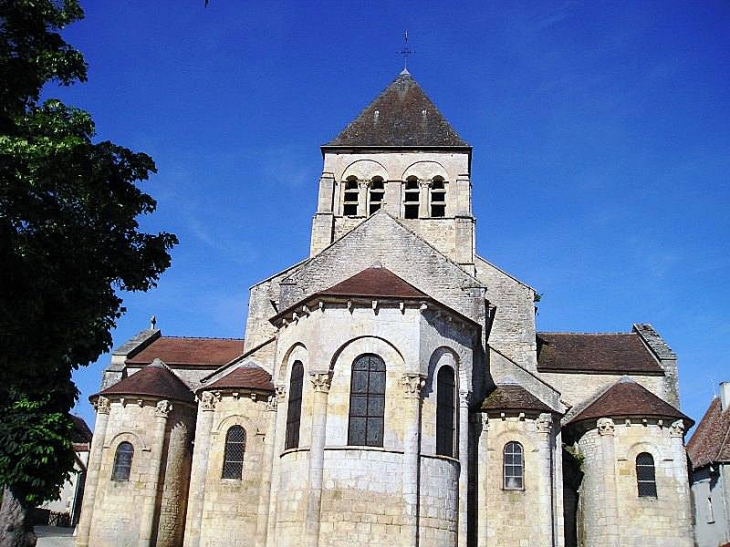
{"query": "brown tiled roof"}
(711, 440)
(375, 283)
(81, 433)
(401, 116)
(512, 397)
(154, 380)
(243, 377)
(619, 353)
(175, 350)
(627, 399)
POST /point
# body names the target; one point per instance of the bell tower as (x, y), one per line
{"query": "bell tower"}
(402, 157)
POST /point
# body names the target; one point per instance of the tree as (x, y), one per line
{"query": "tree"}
(69, 243)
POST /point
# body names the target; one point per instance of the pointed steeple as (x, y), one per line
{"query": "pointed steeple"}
(401, 116)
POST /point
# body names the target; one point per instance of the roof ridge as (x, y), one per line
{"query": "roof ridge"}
(588, 333)
(203, 338)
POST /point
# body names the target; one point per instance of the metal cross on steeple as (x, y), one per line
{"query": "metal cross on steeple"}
(406, 52)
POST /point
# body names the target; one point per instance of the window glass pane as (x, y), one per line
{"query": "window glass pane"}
(233, 456)
(367, 401)
(377, 382)
(359, 381)
(356, 435)
(376, 406)
(123, 462)
(359, 405)
(375, 432)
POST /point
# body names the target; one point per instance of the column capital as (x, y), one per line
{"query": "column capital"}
(412, 383)
(321, 381)
(272, 403)
(677, 429)
(163, 408)
(102, 405)
(606, 427)
(465, 398)
(424, 183)
(544, 423)
(208, 400)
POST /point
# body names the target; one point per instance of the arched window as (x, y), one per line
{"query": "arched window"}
(646, 475)
(367, 401)
(411, 198)
(123, 462)
(445, 413)
(233, 456)
(514, 466)
(438, 197)
(351, 197)
(377, 192)
(294, 411)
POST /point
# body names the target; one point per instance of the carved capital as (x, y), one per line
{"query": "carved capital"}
(485, 422)
(677, 429)
(465, 398)
(412, 383)
(271, 403)
(102, 405)
(280, 394)
(163, 409)
(544, 423)
(606, 426)
(320, 381)
(363, 183)
(208, 400)
(424, 183)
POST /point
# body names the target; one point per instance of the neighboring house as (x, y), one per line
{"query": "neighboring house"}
(392, 389)
(66, 509)
(709, 453)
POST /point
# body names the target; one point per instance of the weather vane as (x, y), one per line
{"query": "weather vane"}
(406, 52)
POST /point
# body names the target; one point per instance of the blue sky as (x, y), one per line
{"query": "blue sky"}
(601, 135)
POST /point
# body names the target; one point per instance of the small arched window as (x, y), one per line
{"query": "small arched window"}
(646, 475)
(351, 197)
(294, 410)
(367, 401)
(233, 456)
(445, 413)
(514, 466)
(411, 198)
(438, 197)
(377, 192)
(123, 462)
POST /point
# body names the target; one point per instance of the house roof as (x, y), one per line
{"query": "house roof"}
(375, 283)
(247, 376)
(627, 399)
(81, 432)
(183, 351)
(401, 116)
(513, 397)
(617, 353)
(153, 380)
(711, 440)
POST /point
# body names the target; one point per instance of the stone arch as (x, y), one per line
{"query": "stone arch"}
(425, 170)
(296, 352)
(444, 356)
(638, 447)
(129, 436)
(248, 425)
(369, 344)
(365, 169)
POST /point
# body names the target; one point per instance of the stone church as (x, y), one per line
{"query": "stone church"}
(392, 389)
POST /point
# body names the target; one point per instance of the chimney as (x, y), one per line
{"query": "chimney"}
(725, 395)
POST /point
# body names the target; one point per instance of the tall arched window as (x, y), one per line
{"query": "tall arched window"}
(377, 192)
(646, 475)
(514, 466)
(351, 197)
(445, 413)
(438, 197)
(294, 410)
(411, 198)
(233, 456)
(123, 462)
(367, 401)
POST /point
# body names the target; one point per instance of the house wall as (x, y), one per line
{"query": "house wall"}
(710, 505)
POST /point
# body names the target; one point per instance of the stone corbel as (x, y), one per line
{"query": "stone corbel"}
(677, 429)
(163, 408)
(208, 400)
(606, 426)
(544, 423)
(280, 393)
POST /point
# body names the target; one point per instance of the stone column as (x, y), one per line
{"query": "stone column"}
(423, 199)
(682, 501)
(544, 454)
(201, 453)
(412, 385)
(147, 518)
(483, 484)
(92, 473)
(278, 447)
(321, 383)
(611, 534)
(362, 197)
(463, 467)
(558, 509)
(262, 522)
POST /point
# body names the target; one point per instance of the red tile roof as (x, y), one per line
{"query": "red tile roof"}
(402, 116)
(375, 283)
(243, 377)
(154, 380)
(618, 353)
(711, 440)
(174, 350)
(81, 433)
(512, 397)
(627, 399)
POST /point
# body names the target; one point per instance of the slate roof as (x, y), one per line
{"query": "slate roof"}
(512, 397)
(401, 116)
(617, 353)
(627, 399)
(375, 283)
(154, 380)
(243, 377)
(711, 440)
(183, 351)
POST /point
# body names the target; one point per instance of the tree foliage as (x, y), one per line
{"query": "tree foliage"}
(69, 243)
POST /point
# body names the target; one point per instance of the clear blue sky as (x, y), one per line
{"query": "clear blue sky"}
(601, 135)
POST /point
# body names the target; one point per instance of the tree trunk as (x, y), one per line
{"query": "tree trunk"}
(16, 529)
